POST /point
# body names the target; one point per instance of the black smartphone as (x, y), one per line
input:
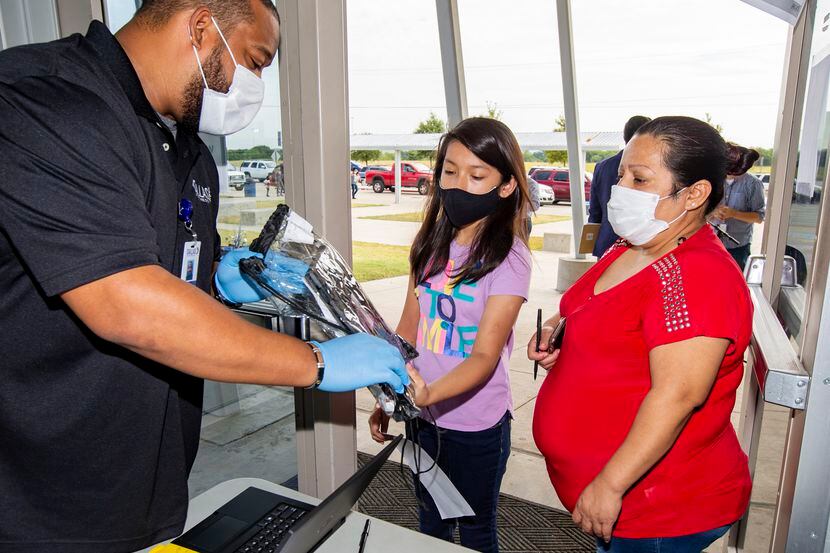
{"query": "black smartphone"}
(557, 336)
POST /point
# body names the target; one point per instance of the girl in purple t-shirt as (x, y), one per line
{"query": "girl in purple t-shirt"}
(470, 276)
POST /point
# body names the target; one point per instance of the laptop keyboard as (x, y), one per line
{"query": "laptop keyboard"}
(273, 529)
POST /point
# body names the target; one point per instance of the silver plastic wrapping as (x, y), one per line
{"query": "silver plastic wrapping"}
(306, 276)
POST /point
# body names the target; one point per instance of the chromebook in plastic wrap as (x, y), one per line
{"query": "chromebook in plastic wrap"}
(306, 276)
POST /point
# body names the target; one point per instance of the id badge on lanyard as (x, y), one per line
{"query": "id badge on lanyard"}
(726, 191)
(190, 256)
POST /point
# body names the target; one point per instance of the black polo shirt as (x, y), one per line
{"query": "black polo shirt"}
(96, 443)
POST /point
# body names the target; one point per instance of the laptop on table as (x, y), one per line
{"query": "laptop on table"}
(257, 521)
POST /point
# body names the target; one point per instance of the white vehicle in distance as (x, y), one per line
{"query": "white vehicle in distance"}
(258, 169)
(764, 178)
(236, 178)
(546, 196)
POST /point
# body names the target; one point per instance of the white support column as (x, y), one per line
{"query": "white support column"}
(26, 22)
(452, 61)
(575, 159)
(397, 176)
(315, 124)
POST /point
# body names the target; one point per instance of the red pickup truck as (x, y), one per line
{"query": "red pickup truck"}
(413, 175)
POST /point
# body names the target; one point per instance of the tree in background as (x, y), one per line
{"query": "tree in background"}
(257, 152)
(766, 157)
(558, 157)
(715, 126)
(365, 156)
(493, 111)
(534, 155)
(431, 125)
(599, 155)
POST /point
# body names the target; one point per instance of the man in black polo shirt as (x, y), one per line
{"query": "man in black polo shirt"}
(108, 204)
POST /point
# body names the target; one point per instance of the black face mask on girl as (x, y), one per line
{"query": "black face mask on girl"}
(463, 208)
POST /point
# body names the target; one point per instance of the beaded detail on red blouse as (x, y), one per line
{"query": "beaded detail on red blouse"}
(674, 296)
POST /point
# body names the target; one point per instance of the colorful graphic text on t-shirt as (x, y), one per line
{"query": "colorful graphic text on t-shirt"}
(437, 330)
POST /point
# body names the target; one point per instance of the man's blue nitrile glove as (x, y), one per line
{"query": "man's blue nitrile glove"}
(360, 360)
(231, 284)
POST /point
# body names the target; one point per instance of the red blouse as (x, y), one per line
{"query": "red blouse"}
(590, 398)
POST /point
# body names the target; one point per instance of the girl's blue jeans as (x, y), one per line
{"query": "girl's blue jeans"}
(475, 463)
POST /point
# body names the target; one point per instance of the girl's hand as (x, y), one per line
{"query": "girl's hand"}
(597, 509)
(378, 425)
(419, 387)
(545, 358)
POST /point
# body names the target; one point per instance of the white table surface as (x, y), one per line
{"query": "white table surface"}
(383, 536)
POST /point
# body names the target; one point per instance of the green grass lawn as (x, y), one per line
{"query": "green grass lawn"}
(261, 204)
(414, 217)
(356, 205)
(543, 219)
(374, 261)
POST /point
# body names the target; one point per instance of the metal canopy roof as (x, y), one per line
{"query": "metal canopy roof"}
(527, 141)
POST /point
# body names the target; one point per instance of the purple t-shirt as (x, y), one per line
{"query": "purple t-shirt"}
(447, 329)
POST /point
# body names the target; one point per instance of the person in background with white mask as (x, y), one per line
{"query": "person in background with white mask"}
(743, 203)
(633, 418)
(106, 267)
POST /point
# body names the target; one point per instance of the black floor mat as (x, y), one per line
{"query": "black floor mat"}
(524, 527)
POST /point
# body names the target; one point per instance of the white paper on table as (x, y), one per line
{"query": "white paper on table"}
(450, 502)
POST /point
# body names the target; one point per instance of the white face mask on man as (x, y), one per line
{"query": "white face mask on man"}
(631, 214)
(227, 113)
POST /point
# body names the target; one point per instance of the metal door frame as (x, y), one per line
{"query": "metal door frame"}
(803, 507)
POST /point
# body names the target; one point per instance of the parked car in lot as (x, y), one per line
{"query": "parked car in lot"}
(258, 169)
(559, 182)
(764, 178)
(363, 170)
(413, 175)
(236, 178)
(545, 194)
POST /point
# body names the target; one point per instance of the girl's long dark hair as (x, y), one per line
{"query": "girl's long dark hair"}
(493, 143)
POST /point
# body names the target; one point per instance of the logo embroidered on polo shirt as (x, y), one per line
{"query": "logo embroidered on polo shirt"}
(202, 192)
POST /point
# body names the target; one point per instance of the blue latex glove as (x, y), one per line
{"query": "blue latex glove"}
(360, 360)
(285, 273)
(229, 281)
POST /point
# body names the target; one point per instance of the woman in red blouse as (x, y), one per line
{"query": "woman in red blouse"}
(634, 416)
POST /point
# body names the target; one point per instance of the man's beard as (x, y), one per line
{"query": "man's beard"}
(192, 104)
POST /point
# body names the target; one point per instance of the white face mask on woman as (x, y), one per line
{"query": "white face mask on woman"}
(227, 113)
(631, 214)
